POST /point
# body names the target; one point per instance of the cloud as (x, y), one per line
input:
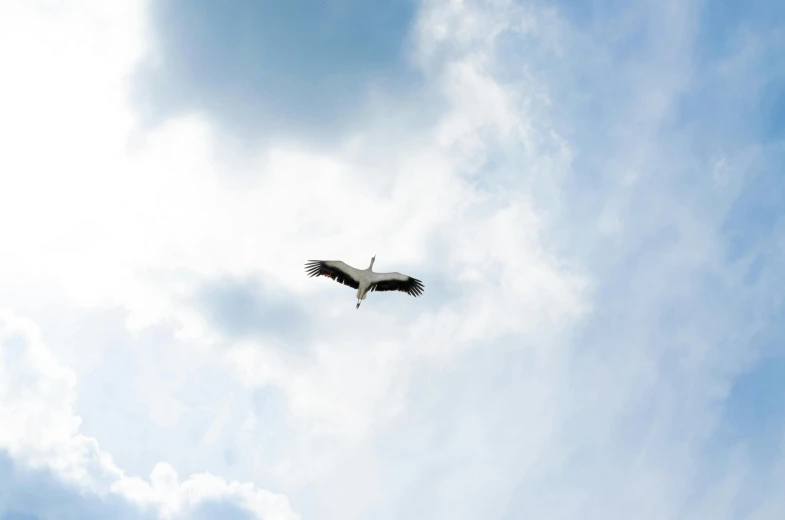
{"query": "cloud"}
(247, 308)
(593, 293)
(29, 494)
(69, 470)
(264, 71)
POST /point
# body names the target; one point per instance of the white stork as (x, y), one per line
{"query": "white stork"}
(364, 280)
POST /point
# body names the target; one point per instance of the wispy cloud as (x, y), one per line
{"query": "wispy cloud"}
(594, 212)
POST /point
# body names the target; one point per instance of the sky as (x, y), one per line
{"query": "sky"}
(591, 192)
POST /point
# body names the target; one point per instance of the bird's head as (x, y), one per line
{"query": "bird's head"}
(373, 259)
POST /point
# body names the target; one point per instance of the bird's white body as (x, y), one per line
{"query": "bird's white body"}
(365, 280)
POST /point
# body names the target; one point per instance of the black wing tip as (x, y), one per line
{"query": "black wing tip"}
(313, 267)
(417, 287)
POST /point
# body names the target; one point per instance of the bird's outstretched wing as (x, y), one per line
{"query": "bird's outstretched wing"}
(335, 269)
(396, 282)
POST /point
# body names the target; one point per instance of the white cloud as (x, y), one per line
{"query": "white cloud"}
(550, 383)
(163, 209)
(41, 429)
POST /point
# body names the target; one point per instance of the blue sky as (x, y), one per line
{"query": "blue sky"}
(592, 192)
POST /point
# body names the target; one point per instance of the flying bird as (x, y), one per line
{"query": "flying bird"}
(364, 280)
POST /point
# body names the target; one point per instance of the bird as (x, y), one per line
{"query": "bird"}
(364, 280)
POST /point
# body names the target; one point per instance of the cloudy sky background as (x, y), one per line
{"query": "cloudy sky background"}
(592, 193)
